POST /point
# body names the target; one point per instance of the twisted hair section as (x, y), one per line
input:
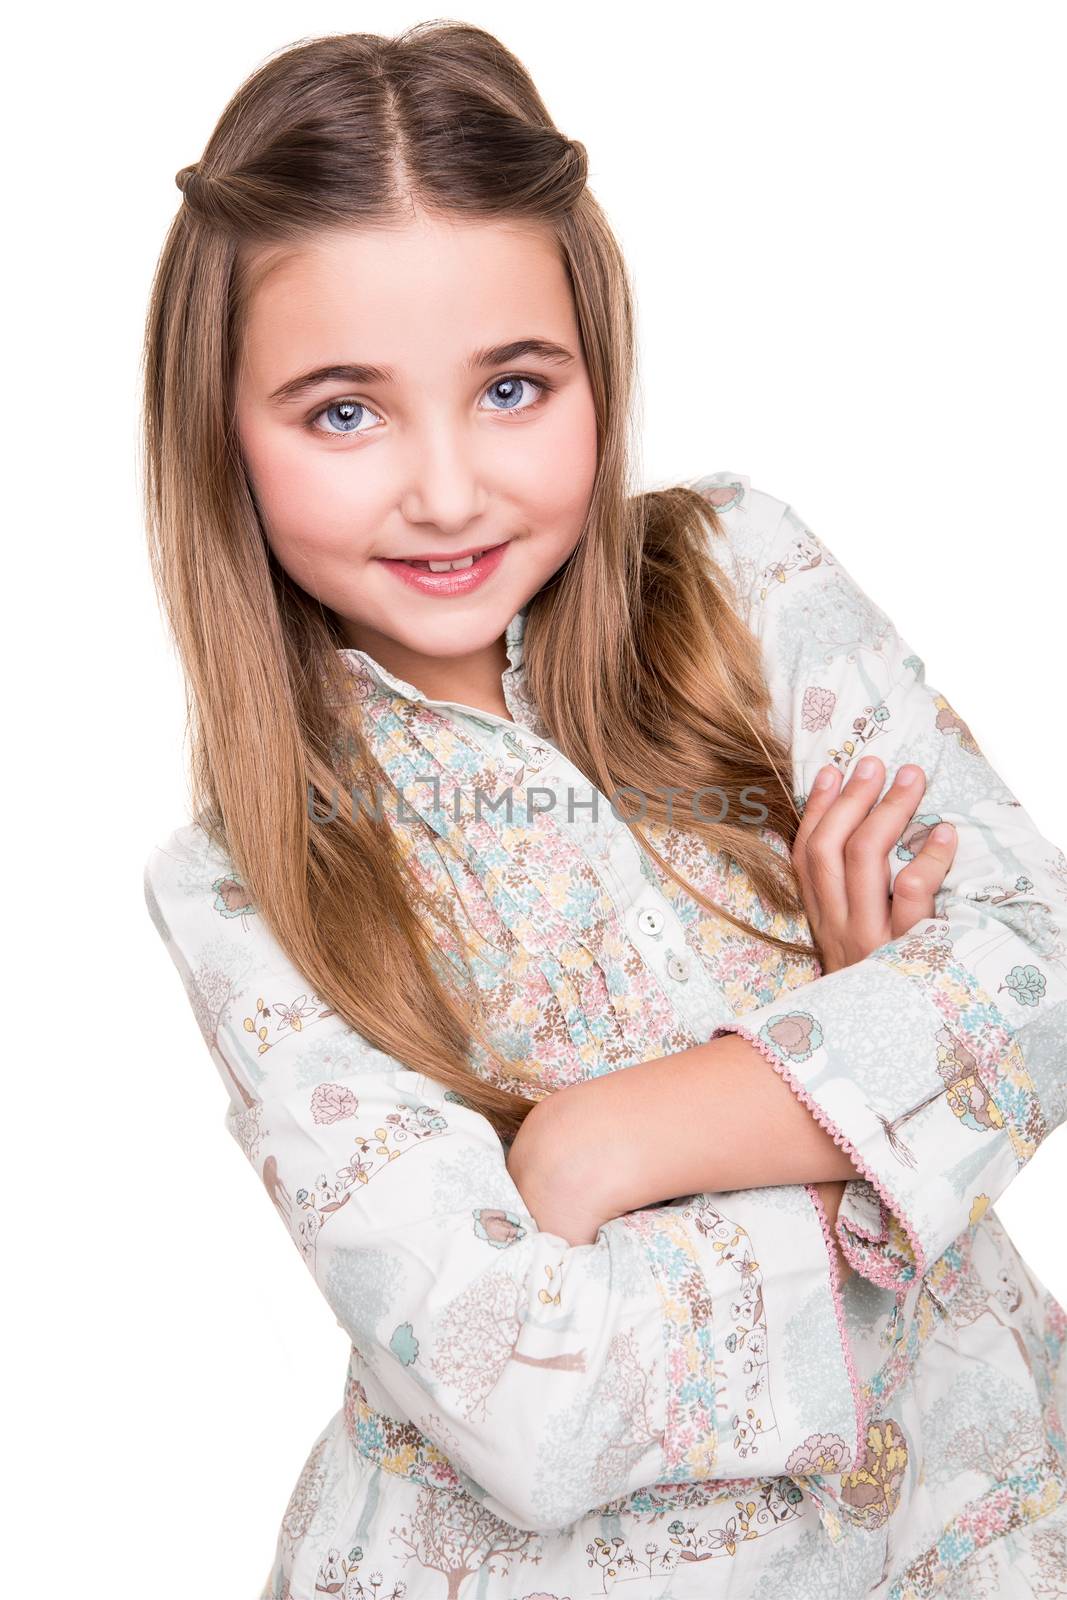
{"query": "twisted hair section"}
(660, 684)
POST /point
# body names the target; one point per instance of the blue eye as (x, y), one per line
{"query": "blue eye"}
(346, 415)
(512, 382)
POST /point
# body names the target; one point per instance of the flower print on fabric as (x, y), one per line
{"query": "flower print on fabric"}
(967, 1076)
(694, 1404)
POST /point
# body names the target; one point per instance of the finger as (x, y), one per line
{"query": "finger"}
(867, 851)
(918, 882)
(821, 797)
(824, 792)
(822, 878)
(824, 847)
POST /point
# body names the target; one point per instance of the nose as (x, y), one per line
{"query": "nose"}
(444, 488)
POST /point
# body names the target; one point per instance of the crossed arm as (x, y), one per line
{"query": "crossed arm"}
(712, 1118)
(930, 1046)
(717, 1117)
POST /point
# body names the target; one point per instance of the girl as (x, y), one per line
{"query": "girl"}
(507, 780)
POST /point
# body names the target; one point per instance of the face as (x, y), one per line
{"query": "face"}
(459, 446)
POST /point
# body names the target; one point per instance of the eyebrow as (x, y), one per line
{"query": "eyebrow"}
(496, 355)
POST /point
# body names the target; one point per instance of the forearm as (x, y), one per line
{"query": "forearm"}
(709, 1119)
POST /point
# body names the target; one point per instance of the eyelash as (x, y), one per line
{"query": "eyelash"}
(544, 384)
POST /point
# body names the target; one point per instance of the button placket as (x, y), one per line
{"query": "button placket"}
(621, 864)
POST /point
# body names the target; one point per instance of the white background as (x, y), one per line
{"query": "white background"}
(845, 228)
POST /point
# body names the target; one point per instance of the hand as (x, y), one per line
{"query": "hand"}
(841, 855)
(555, 1186)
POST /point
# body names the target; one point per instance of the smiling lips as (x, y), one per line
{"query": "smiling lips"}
(447, 566)
(446, 557)
(448, 575)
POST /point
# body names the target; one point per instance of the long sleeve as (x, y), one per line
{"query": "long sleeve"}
(553, 1377)
(938, 1062)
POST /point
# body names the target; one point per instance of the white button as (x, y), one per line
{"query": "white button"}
(678, 969)
(650, 921)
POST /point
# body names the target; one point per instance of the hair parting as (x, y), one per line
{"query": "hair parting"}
(661, 676)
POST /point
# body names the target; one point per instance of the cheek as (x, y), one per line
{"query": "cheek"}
(563, 469)
(304, 496)
(578, 458)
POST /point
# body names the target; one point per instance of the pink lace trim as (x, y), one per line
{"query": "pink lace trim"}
(864, 1233)
(846, 1345)
(868, 1263)
(838, 1137)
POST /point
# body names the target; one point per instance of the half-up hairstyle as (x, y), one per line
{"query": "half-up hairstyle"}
(660, 675)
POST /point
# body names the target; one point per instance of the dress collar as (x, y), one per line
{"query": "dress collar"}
(365, 665)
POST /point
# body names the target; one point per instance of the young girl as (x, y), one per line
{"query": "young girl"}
(506, 780)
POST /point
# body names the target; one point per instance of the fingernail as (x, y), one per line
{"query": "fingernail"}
(824, 777)
(907, 775)
(942, 833)
(866, 767)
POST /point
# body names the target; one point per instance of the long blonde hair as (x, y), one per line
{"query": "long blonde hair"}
(660, 674)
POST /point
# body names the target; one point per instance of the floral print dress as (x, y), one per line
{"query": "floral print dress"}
(694, 1405)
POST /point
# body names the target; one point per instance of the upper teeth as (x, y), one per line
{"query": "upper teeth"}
(453, 566)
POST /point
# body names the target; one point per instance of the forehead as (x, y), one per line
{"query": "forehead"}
(372, 294)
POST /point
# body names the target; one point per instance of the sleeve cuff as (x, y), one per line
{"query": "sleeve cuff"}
(913, 1069)
(761, 1374)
